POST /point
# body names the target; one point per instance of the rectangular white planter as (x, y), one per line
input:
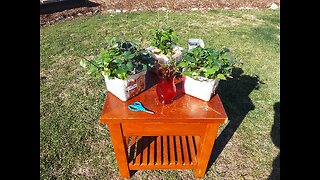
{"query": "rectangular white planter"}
(163, 58)
(128, 88)
(203, 90)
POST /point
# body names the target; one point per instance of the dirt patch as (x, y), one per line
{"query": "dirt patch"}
(53, 12)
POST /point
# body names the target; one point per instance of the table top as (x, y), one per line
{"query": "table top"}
(184, 108)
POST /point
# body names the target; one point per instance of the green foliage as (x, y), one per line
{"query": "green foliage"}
(164, 40)
(208, 63)
(168, 69)
(120, 58)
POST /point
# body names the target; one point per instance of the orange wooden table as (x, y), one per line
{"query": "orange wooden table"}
(179, 135)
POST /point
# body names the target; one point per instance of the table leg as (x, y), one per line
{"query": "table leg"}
(119, 149)
(206, 144)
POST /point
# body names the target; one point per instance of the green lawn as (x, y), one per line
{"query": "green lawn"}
(73, 145)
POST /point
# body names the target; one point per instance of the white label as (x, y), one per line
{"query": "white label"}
(131, 87)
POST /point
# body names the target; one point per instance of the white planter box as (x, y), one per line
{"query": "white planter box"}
(126, 89)
(203, 90)
(163, 58)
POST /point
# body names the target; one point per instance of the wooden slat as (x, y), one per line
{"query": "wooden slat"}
(145, 150)
(169, 129)
(197, 141)
(165, 150)
(139, 151)
(172, 150)
(179, 154)
(157, 167)
(151, 156)
(159, 151)
(132, 146)
(185, 150)
(192, 150)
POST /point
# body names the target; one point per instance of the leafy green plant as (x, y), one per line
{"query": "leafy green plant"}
(168, 69)
(208, 63)
(164, 40)
(120, 58)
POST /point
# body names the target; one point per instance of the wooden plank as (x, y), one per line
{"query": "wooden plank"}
(152, 152)
(132, 147)
(159, 151)
(185, 150)
(206, 144)
(178, 146)
(119, 149)
(192, 150)
(158, 167)
(145, 153)
(197, 143)
(165, 149)
(158, 129)
(139, 151)
(172, 150)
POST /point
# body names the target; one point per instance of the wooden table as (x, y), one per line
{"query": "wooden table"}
(179, 135)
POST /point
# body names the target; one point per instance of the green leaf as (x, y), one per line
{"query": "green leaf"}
(186, 73)
(187, 58)
(83, 63)
(97, 75)
(136, 43)
(144, 67)
(128, 55)
(153, 31)
(123, 68)
(221, 76)
(195, 73)
(224, 56)
(130, 66)
(106, 72)
(114, 45)
(163, 38)
(174, 34)
(183, 64)
(211, 70)
(215, 68)
(92, 69)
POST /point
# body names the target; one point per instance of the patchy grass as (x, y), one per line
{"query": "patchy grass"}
(73, 145)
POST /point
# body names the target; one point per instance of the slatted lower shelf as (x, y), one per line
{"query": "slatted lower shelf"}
(162, 152)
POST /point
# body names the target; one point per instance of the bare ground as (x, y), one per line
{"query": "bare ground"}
(53, 12)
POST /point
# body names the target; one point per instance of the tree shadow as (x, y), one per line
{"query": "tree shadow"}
(275, 136)
(234, 94)
(65, 5)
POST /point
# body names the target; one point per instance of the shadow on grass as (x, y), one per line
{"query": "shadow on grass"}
(65, 5)
(275, 136)
(234, 94)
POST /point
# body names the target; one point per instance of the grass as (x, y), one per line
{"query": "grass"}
(73, 145)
